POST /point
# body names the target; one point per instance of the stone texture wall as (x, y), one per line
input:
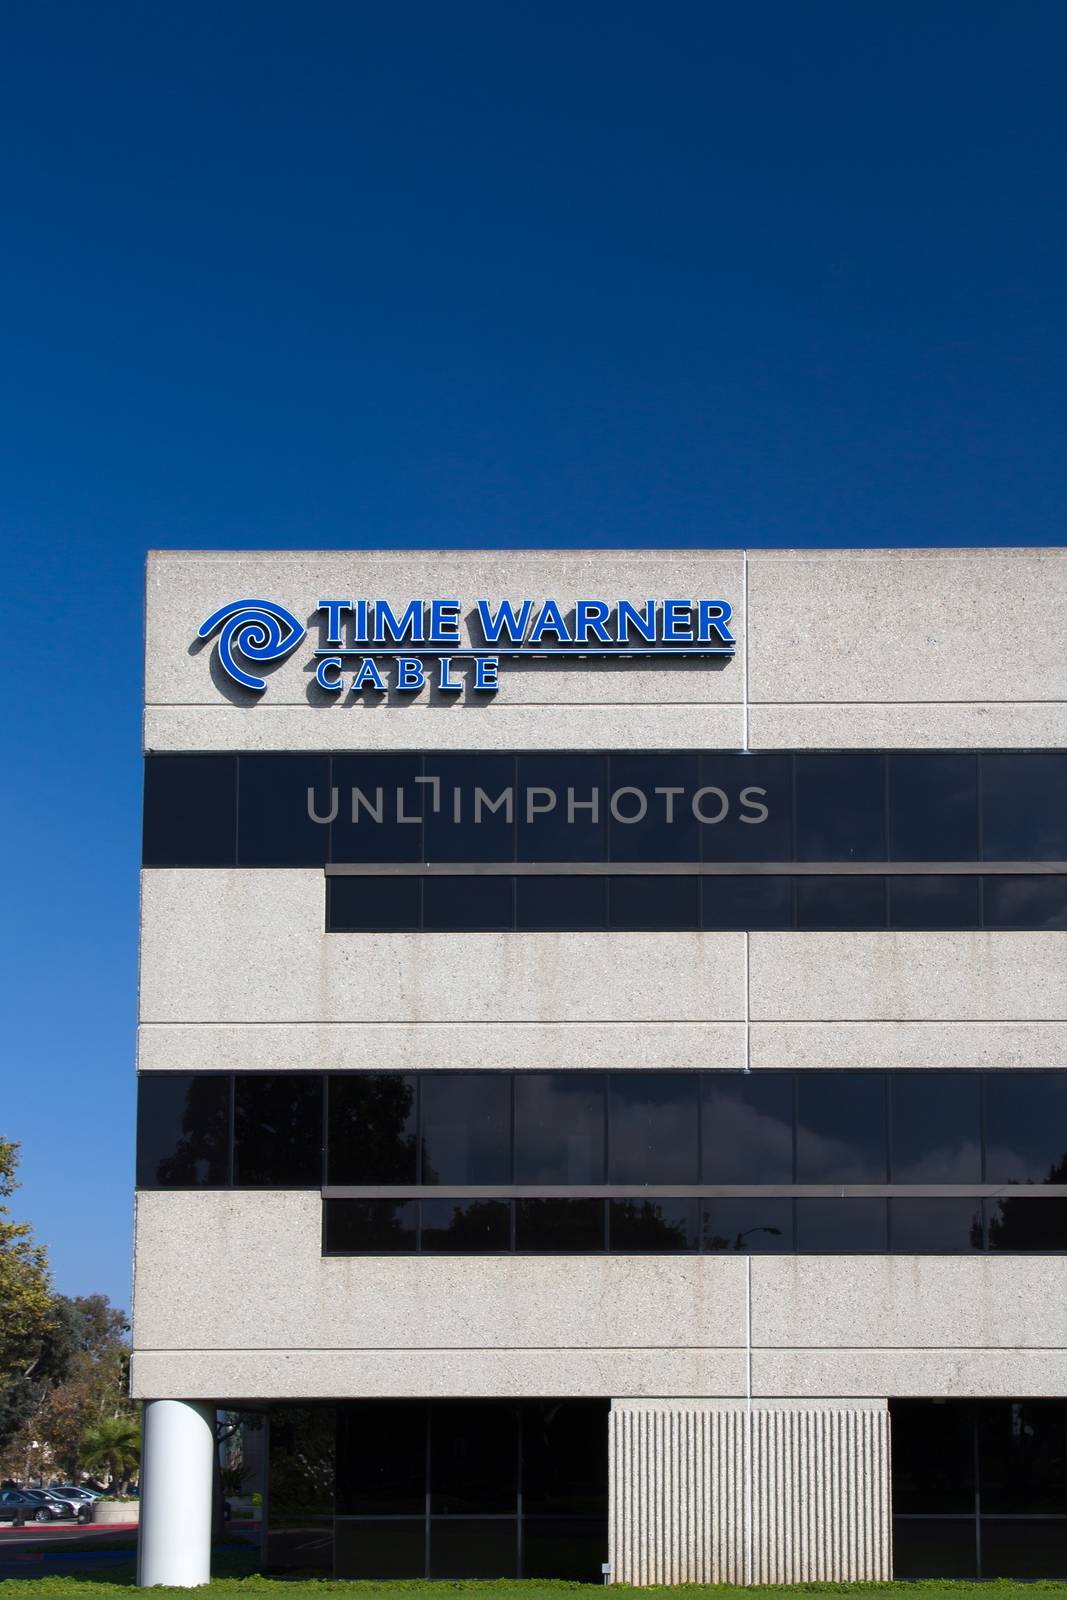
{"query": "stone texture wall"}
(773, 1493)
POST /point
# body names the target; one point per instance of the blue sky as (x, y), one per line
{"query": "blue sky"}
(344, 275)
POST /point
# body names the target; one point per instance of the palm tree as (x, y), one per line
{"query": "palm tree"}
(113, 1443)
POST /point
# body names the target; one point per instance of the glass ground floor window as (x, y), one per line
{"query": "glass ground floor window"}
(440, 1489)
(979, 1488)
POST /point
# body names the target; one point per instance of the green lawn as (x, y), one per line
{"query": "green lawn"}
(284, 1589)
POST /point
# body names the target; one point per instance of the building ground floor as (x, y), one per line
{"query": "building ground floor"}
(665, 1491)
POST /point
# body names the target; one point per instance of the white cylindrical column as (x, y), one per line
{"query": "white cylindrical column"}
(177, 1450)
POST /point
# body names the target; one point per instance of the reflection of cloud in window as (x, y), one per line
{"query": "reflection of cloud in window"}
(656, 1120)
(823, 1154)
(745, 1144)
(1027, 902)
(957, 1164)
(559, 1130)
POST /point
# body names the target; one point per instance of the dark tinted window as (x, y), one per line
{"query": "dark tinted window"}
(933, 902)
(1016, 1549)
(653, 902)
(935, 1227)
(934, 1547)
(652, 1127)
(753, 1226)
(369, 1227)
(653, 1225)
(381, 1458)
(575, 1545)
(559, 1225)
(1025, 902)
(1026, 1127)
(278, 798)
(1024, 806)
(841, 1127)
(840, 807)
(473, 819)
(466, 1227)
(473, 1548)
(747, 1127)
(183, 1130)
(935, 1128)
(555, 819)
(1009, 1457)
(841, 1227)
(466, 1127)
(474, 1458)
(375, 905)
(378, 1550)
(487, 1462)
(644, 825)
(561, 903)
(190, 811)
(1022, 1454)
(559, 1127)
(746, 902)
(564, 1457)
(832, 903)
(468, 903)
(933, 806)
(1026, 1225)
(377, 794)
(371, 1134)
(933, 1457)
(277, 1130)
(754, 795)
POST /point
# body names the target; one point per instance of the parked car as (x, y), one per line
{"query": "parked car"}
(56, 1506)
(17, 1505)
(74, 1491)
(81, 1499)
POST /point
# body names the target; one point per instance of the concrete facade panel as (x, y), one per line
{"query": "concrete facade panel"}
(890, 626)
(380, 1046)
(908, 977)
(652, 726)
(939, 1374)
(436, 1374)
(288, 1296)
(1009, 1302)
(911, 725)
(949, 1046)
(226, 945)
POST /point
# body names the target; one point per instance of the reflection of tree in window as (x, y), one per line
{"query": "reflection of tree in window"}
(372, 1128)
(643, 1225)
(1025, 1223)
(302, 1458)
(199, 1155)
(466, 1224)
(737, 1241)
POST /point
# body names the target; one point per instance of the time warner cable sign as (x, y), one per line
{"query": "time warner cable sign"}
(367, 644)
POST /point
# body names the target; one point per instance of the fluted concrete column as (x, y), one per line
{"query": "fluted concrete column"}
(706, 1491)
(177, 1454)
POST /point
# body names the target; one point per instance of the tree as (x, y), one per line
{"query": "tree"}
(30, 1331)
(114, 1444)
(94, 1386)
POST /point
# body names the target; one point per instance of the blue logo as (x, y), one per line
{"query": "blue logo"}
(258, 630)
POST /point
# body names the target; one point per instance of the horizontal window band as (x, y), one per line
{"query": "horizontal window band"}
(419, 1517)
(697, 1191)
(692, 869)
(986, 1516)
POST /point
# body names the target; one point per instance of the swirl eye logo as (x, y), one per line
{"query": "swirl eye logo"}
(258, 630)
